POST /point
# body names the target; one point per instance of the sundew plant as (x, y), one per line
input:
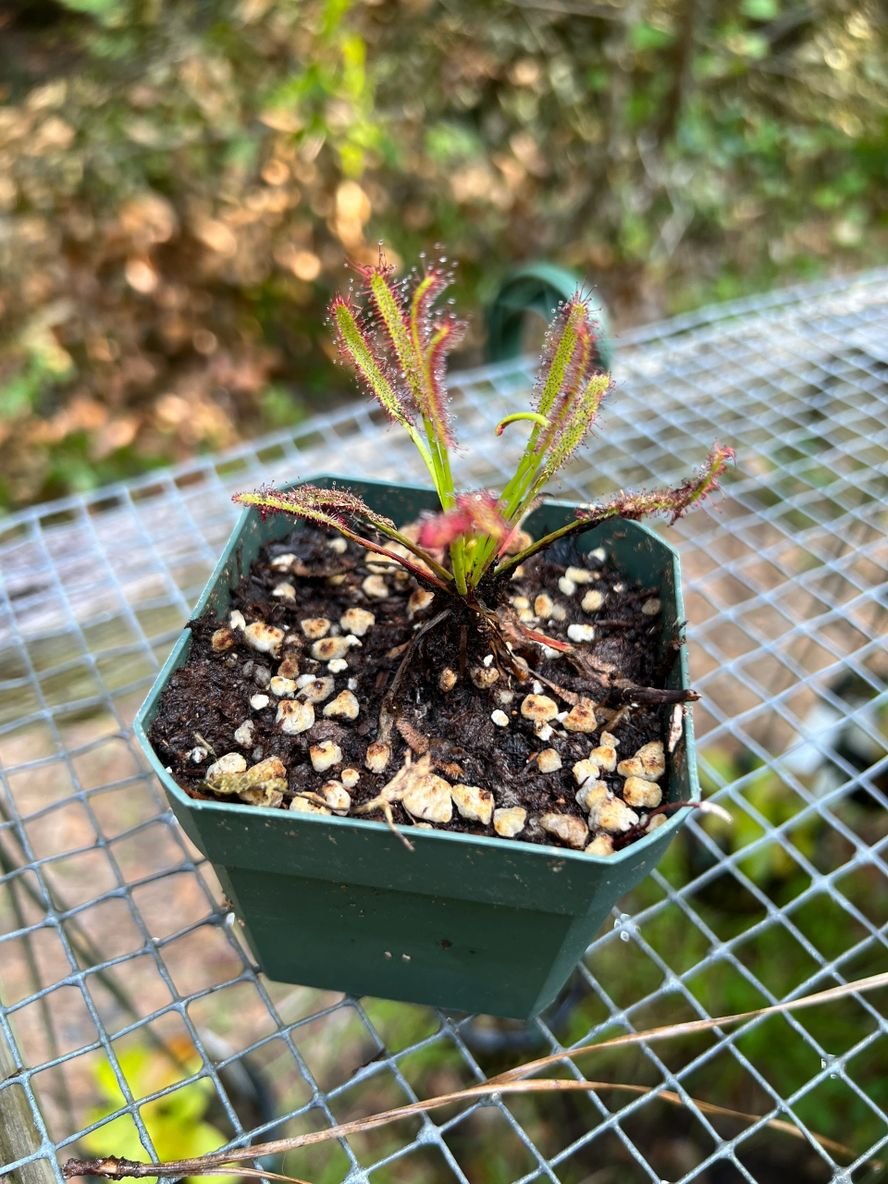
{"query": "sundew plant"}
(396, 338)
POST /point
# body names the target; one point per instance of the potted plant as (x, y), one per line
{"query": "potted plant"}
(402, 729)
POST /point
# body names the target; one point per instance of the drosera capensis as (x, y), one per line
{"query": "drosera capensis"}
(393, 334)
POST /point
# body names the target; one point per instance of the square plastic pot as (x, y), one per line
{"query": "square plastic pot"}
(462, 922)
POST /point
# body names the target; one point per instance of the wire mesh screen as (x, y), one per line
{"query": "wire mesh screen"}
(132, 1019)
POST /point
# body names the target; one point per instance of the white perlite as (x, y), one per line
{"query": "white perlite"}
(548, 761)
(304, 806)
(294, 716)
(581, 717)
(257, 702)
(651, 607)
(336, 796)
(315, 690)
(500, 718)
(282, 687)
(338, 545)
(585, 770)
(315, 627)
(198, 755)
(284, 591)
(428, 798)
(473, 803)
(378, 756)
(447, 679)
(375, 587)
(244, 734)
(483, 677)
(349, 778)
(592, 601)
(236, 619)
(324, 756)
(601, 845)
(568, 587)
(231, 762)
(591, 795)
(283, 562)
(539, 707)
(330, 647)
(581, 632)
(612, 815)
(264, 638)
(649, 762)
(419, 599)
(580, 575)
(605, 757)
(344, 706)
(543, 605)
(566, 827)
(289, 667)
(357, 621)
(337, 665)
(223, 639)
(508, 822)
(645, 795)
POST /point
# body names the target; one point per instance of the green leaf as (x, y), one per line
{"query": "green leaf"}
(760, 10)
(100, 8)
(644, 37)
(754, 46)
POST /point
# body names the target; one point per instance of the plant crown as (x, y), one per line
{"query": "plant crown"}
(397, 342)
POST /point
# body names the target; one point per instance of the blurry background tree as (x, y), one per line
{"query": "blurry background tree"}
(181, 180)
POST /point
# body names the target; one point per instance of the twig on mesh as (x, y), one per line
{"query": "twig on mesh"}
(668, 1031)
(113, 1168)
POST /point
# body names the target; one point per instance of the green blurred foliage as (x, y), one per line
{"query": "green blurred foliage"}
(180, 183)
(177, 1122)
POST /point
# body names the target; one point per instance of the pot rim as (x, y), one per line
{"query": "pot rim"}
(418, 837)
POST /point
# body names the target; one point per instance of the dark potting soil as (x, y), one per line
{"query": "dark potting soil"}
(471, 734)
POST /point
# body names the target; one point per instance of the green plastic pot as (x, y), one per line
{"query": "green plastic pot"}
(537, 290)
(463, 922)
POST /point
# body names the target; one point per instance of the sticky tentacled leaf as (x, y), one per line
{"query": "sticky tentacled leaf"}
(428, 289)
(576, 423)
(356, 347)
(444, 337)
(395, 329)
(339, 509)
(562, 341)
(675, 502)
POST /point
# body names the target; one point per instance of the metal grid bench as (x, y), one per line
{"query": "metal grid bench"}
(113, 933)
